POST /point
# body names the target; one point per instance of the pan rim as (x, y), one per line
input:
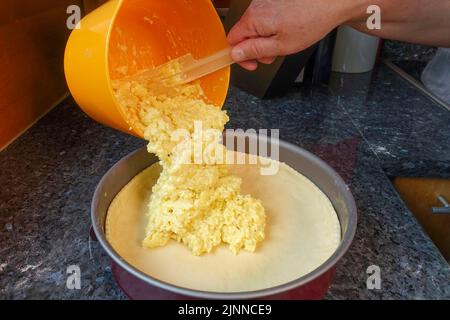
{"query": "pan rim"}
(343, 247)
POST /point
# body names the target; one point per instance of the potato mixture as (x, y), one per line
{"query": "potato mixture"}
(196, 201)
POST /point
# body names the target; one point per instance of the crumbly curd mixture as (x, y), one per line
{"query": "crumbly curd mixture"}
(197, 203)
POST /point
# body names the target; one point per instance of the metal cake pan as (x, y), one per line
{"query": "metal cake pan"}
(138, 285)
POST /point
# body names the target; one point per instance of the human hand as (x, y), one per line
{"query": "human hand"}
(272, 28)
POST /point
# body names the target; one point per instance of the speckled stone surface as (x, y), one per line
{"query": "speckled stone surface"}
(412, 58)
(413, 68)
(409, 135)
(367, 128)
(396, 51)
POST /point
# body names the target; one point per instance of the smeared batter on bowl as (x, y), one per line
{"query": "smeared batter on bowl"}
(302, 232)
(196, 201)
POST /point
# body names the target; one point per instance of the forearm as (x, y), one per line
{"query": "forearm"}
(418, 21)
(272, 28)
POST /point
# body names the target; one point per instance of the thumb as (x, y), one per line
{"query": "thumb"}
(255, 49)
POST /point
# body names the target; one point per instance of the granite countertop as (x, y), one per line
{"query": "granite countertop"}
(412, 58)
(368, 127)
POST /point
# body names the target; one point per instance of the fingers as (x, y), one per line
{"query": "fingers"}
(250, 65)
(269, 60)
(262, 49)
(249, 47)
(241, 31)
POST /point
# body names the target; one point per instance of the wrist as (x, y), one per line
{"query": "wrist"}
(356, 10)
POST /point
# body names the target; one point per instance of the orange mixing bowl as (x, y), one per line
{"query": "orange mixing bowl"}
(125, 36)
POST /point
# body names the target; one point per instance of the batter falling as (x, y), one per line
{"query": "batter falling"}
(196, 200)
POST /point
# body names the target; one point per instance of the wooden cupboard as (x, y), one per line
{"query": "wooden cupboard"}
(33, 35)
(420, 195)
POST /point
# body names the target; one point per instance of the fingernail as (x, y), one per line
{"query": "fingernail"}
(238, 55)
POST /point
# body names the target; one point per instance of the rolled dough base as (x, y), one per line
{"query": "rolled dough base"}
(302, 232)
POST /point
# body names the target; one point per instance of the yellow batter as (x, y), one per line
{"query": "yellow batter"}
(196, 201)
(302, 232)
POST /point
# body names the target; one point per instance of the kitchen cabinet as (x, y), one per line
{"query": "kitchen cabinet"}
(420, 195)
(33, 35)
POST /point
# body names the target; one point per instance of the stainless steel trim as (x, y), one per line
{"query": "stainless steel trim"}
(418, 85)
(445, 209)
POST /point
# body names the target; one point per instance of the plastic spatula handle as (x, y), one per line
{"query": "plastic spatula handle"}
(196, 69)
(190, 70)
